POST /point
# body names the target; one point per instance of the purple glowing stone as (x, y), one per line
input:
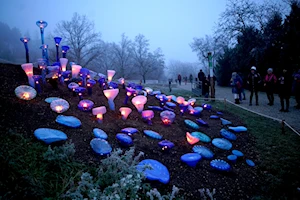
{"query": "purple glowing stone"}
(91, 82)
(167, 117)
(191, 159)
(80, 89)
(206, 106)
(166, 144)
(113, 85)
(85, 105)
(214, 117)
(73, 86)
(232, 158)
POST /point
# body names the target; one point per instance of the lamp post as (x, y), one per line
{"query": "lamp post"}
(211, 74)
(25, 41)
(42, 24)
(64, 50)
(57, 41)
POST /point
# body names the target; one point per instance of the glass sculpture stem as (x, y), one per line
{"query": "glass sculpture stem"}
(111, 105)
(64, 55)
(38, 87)
(126, 100)
(57, 55)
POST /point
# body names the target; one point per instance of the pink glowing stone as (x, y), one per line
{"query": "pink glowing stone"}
(125, 111)
(191, 139)
(139, 102)
(180, 100)
(99, 112)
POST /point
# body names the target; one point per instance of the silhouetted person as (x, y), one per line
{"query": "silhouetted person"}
(285, 83)
(205, 87)
(201, 77)
(269, 83)
(179, 79)
(191, 78)
(297, 88)
(253, 80)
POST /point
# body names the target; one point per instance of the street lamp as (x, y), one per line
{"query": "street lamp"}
(64, 50)
(42, 24)
(25, 41)
(57, 41)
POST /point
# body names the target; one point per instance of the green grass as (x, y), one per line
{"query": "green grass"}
(279, 153)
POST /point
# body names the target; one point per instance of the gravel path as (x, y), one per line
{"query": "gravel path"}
(291, 117)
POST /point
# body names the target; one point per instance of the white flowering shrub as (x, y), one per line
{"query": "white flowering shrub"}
(207, 194)
(155, 194)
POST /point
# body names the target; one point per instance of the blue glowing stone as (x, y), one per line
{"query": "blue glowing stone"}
(99, 133)
(124, 139)
(191, 159)
(156, 92)
(100, 146)
(238, 129)
(156, 172)
(225, 122)
(214, 117)
(152, 134)
(250, 163)
(191, 124)
(206, 106)
(166, 144)
(129, 130)
(174, 98)
(49, 135)
(237, 153)
(203, 151)
(227, 134)
(201, 136)
(171, 104)
(220, 165)
(222, 143)
(202, 122)
(219, 113)
(68, 121)
(232, 158)
(50, 99)
(157, 108)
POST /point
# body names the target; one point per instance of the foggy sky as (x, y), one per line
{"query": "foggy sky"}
(169, 24)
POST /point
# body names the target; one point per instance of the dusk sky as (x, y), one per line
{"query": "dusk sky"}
(168, 24)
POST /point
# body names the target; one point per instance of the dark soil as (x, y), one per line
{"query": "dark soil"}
(26, 116)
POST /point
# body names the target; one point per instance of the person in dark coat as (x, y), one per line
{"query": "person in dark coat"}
(202, 78)
(269, 83)
(253, 81)
(179, 79)
(285, 85)
(296, 88)
(236, 82)
(205, 88)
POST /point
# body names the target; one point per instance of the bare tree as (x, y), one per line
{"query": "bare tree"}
(79, 34)
(123, 56)
(107, 59)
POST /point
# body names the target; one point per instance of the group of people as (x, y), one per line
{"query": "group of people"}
(286, 84)
(185, 79)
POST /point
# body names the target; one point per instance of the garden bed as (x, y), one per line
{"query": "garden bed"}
(242, 182)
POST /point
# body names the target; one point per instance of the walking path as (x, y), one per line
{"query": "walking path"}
(292, 117)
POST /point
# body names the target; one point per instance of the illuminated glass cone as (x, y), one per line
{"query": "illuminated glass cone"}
(75, 70)
(125, 111)
(139, 102)
(28, 69)
(110, 74)
(99, 112)
(111, 95)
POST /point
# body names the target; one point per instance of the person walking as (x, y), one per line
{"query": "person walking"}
(236, 83)
(202, 78)
(297, 88)
(191, 78)
(285, 84)
(253, 81)
(242, 89)
(179, 79)
(269, 84)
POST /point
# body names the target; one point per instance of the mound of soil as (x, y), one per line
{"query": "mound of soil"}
(26, 116)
